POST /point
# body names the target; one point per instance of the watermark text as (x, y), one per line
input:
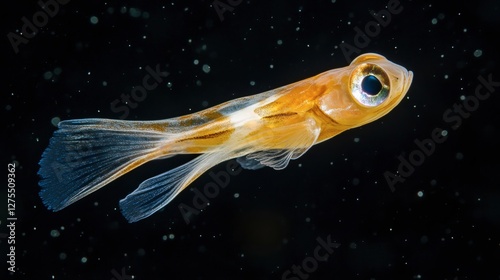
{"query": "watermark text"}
(371, 30)
(310, 264)
(453, 116)
(121, 275)
(39, 19)
(201, 199)
(11, 216)
(138, 93)
(222, 7)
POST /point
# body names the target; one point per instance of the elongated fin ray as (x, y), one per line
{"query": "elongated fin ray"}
(154, 193)
(250, 164)
(86, 154)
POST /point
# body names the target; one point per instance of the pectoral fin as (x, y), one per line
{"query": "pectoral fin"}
(295, 139)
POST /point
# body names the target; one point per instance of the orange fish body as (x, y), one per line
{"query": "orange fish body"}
(267, 129)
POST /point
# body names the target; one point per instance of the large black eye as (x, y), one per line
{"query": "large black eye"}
(369, 85)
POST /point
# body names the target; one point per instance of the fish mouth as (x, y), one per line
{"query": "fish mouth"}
(406, 83)
(408, 78)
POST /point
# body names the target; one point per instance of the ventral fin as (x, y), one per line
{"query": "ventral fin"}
(250, 164)
(156, 192)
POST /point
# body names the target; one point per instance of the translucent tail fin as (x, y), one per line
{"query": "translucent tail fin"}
(84, 155)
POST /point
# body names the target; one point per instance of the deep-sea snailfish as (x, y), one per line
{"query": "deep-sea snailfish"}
(266, 129)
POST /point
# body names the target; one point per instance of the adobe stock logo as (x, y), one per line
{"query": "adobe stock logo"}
(139, 93)
(221, 7)
(371, 30)
(310, 264)
(121, 275)
(211, 190)
(38, 20)
(453, 116)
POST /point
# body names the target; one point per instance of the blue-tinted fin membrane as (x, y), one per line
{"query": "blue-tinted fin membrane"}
(84, 155)
(250, 164)
(156, 192)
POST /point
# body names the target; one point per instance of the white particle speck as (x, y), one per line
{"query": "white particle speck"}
(356, 140)
(94, 20)
(444, 133)
(171, 236)
(54, 233)
(424, 239)
(55, 120)
(141, 252)
(48, 75)
(135, 13)
(279, 42)
(434, 21)
(252, 83)
(420, 193)
(236, 195)
(355, 181)
(84, 260)
(478, 53)
(206, 68)
(196, 61)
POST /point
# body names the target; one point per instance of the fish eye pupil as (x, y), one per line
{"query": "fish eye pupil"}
(371, 85)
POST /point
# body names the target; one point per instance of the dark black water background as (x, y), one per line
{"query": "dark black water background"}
(442, 222)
